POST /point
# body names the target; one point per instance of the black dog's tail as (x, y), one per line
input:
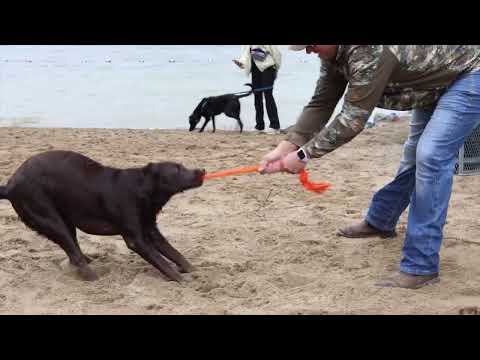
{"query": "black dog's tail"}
(3, 192)
(246, 93)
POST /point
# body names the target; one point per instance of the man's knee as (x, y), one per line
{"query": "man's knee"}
(429, 158)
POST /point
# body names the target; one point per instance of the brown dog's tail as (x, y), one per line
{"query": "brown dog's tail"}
(3, 192)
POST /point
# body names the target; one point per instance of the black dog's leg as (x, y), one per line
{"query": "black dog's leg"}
(236, 117)
(169, 251)
(240, 124)
(213, 122)
(151, 255)
(45, 219)
(207, 119)
(234, 112)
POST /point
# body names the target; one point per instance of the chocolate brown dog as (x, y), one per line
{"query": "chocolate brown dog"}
(56, 192)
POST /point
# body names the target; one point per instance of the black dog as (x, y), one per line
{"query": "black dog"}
(56, 192)
(215, 105)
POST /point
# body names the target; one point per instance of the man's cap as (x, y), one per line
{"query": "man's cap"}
(297, 47)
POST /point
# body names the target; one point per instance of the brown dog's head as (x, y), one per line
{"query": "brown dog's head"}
(171, 178)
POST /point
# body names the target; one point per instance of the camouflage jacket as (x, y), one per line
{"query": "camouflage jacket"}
(397, 77)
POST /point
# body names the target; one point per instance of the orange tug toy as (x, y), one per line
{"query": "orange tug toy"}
(303, 176)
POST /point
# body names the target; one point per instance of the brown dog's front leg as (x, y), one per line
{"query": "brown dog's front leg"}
(169, 251)
(150, 254)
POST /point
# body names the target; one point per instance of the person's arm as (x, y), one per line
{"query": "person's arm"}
(244, 54)
(370, 70)
(330, 88)
(276, 55)
(315, 115)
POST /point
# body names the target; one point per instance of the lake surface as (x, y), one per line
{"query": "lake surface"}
(135, 86)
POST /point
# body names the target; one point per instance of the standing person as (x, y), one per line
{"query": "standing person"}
(263, 62)
(441, 83)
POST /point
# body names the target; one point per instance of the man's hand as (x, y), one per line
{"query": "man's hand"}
(292, 164)
(270, 162)
(289, 163)
(238, 63)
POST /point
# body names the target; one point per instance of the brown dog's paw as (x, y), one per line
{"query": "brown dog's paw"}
(173, 275)
(186, 268)
(87, 274)
(469, 310)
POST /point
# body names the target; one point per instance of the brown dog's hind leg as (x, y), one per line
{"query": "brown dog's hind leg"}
(169, 251)
(44, 218)
(151, 255)
(73, 232)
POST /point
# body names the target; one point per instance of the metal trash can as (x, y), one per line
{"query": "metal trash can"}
(468, 162)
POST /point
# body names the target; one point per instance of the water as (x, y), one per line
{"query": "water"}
(136, 86)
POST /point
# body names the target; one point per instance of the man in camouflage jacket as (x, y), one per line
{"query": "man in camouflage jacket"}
(441, 83)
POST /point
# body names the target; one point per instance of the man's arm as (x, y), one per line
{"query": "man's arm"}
(315, 115)
(370, 70)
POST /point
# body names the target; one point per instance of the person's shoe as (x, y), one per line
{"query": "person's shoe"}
(273, 131)
(408, 281)
(363, 230)
(258, 131)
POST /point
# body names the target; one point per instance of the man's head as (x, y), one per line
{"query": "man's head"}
(325, 52)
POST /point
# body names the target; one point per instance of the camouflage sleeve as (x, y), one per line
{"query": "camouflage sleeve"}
(370, 69)
(315, 115)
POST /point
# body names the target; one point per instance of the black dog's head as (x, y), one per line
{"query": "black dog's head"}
(194, 119)
(171, 178)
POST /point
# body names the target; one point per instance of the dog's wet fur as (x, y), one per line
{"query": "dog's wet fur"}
(210, 107)
(56, 192)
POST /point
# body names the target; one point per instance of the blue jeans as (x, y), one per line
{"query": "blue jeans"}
(424, 179)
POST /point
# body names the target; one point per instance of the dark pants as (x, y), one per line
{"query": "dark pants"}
(259, 80)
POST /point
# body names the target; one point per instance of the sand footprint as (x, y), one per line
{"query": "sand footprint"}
(71, 271)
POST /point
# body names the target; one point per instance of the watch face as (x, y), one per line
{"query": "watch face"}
(301, 154)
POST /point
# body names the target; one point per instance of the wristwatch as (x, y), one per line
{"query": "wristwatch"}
(302, 155)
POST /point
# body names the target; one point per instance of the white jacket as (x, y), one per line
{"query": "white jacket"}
(274, 57)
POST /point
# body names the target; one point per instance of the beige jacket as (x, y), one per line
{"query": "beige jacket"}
(274, 57)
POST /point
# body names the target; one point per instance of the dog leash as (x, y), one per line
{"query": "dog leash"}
(254, 90)
(263, 89)
(303, 177)
(242, 93)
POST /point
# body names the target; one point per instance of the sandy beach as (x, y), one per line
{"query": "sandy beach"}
(259, 244)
